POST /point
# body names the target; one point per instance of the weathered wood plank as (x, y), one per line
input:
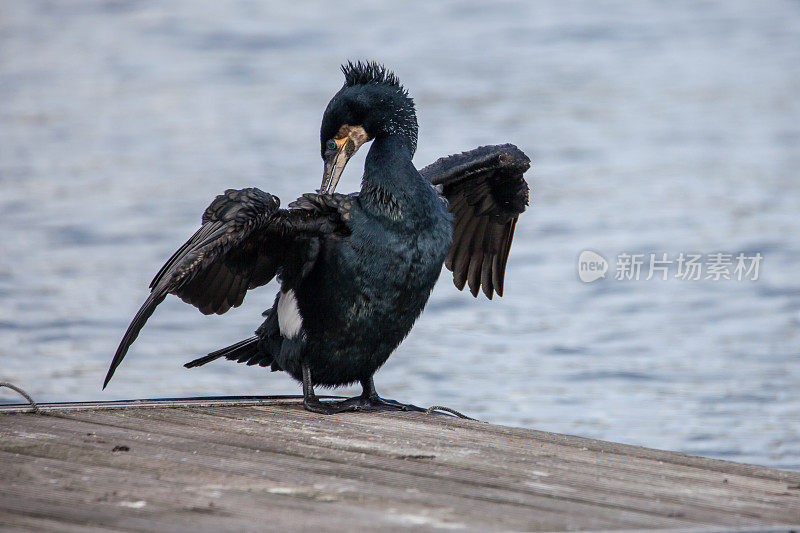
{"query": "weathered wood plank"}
(474, 461)
(257, 466)
(318, 476)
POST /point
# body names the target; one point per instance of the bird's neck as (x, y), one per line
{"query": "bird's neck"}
(391, 184)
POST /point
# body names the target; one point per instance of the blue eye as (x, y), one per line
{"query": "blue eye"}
(331, 145)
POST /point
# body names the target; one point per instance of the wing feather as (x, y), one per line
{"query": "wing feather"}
(486, 192)
(458, 207)
(476, 257)
(486, 276)
(238, 292)
(243, 242)
(506, 248)
(463, 252)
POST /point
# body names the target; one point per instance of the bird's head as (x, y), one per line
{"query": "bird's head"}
(370, 105)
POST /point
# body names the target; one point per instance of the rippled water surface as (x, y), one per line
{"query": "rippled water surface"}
(654, 127)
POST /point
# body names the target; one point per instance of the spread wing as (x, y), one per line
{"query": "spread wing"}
(244, 241)
(487, 193)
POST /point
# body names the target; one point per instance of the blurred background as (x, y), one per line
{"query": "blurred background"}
(653, 128)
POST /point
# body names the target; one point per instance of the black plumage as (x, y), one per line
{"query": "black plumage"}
(355, 270)
(486, 194)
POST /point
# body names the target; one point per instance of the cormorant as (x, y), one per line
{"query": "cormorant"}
(355, 270)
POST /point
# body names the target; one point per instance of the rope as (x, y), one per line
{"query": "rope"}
(433, 408)
(34, 407)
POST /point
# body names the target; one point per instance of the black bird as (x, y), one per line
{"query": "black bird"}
(355, 270)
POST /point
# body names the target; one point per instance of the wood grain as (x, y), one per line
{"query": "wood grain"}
(271, 466)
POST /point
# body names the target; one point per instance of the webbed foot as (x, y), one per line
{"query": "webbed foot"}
(325, 408)
(376, 403)
(368, 401)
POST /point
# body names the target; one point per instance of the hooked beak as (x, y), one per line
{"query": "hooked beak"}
(350, 139)
(335, 161)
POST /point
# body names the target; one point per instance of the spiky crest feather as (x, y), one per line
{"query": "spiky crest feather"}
(359, 73)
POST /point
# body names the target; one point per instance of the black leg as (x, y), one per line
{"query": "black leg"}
(368, 401)
(310, 400)
(312, 403)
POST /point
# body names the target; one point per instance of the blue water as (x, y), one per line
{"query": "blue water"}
(654, 127)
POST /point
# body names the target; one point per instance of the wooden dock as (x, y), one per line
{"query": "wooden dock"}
(267, 465)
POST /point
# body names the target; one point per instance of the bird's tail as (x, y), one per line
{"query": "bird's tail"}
(245, 351)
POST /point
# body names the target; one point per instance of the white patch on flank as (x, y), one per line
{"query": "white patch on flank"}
(289, 319)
